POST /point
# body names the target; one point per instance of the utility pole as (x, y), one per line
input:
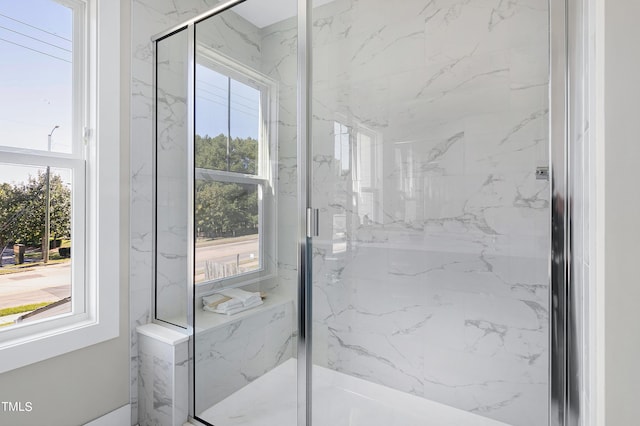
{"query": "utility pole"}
(47, 214)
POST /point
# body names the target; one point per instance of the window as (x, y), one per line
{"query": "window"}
(234, 207)
(42, 177)
(358, 157)
(53, 179)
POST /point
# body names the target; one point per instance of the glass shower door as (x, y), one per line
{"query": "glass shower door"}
(245, 197)
(430, 273)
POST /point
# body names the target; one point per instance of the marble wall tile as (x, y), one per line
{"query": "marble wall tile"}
(430, 272)
(181, 388)
(162, 382)
(228, 358)
(171, 181)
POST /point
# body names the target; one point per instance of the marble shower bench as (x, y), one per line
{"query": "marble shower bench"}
(230, 352)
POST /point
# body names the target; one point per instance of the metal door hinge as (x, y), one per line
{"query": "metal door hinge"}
(313, 227)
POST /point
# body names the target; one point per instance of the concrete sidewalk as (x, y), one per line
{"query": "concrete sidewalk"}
(38, 284)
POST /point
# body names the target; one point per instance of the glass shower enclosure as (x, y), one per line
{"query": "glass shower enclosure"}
(356, 222)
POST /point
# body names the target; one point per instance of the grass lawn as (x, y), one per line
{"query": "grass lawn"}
(24, 308)
(18, 310)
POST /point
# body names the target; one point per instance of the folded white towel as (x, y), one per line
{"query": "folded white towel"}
(213, 300)
(231, 301)
(230, 304)
(232, 311)
(246, 297)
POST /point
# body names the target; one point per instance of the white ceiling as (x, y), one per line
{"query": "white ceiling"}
(262, 13)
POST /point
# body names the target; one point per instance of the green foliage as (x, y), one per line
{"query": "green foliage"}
(22, 210)
(226, 209)
(211, 153)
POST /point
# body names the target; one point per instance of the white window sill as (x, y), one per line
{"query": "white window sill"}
(34, 348)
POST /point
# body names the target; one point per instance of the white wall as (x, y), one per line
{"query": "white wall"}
(620, 209)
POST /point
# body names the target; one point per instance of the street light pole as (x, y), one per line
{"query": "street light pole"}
(45, 242)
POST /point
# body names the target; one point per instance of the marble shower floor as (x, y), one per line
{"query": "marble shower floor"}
(339, 400)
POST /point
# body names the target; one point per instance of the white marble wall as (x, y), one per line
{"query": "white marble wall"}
(172, 179)
(232, 356)
(163, 382)
(431, 270)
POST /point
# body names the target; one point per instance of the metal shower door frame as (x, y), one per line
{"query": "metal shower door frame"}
(564, 407)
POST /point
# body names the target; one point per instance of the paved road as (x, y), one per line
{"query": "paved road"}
(227, 252)
(52, 282)
(37, 284)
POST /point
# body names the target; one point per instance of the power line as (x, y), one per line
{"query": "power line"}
(249, 113)
(201, 90)
(206, 83)
(233, 92)
(35, 38)
(37, 28)
(35, 50)
(252, 107)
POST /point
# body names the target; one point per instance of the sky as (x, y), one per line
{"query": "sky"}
(212, 90)
(36, 85)
(35, 78)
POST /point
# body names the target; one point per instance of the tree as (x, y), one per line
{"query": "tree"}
(6, 192)
(226, 208)
(211, 153)
(22, 210)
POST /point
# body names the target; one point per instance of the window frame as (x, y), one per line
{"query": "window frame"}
(95, 159)
(265, 178)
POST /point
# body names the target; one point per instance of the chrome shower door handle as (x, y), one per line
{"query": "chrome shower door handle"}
(313, 227)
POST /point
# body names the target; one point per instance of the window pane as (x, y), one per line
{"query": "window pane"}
(32, 287)
(245, 119)
(212, 119)
(227, 234)
(36, 75)
(227, 122)
(342, 147)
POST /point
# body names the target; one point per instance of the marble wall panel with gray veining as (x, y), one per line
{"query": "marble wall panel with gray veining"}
(430, 273)
(230, 357)
(171, 237)
(163, 380)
